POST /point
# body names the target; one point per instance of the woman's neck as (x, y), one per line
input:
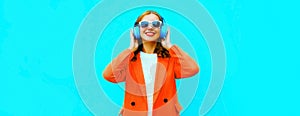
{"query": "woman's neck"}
(148, 47)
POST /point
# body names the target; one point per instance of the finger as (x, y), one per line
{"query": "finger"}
(131, 44)
(136, 44)
(135, 41)
(163, 42)
(131, 34)
(168, 35)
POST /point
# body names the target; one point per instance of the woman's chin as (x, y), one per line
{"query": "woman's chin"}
(150, 39)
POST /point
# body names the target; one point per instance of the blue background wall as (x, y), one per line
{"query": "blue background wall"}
(261, 40)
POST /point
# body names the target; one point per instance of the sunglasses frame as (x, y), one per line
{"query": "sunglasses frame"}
(150, 22)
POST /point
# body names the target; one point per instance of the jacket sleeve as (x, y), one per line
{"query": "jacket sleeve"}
(116, 71)
(184, 65)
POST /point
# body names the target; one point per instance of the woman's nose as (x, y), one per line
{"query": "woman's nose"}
(150, 26)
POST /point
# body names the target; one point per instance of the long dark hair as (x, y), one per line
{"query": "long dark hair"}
(159, 49)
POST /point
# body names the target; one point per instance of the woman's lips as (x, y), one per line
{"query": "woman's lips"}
(150, 34)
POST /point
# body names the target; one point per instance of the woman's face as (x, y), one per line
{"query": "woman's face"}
(150, 33)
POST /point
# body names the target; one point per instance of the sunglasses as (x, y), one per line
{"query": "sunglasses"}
(155, 24)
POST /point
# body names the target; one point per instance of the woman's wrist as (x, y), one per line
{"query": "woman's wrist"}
(131, 49)
(169, 46)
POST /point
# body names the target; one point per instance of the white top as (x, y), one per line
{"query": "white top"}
(149, 62)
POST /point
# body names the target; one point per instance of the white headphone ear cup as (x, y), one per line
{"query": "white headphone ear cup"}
(136, 33)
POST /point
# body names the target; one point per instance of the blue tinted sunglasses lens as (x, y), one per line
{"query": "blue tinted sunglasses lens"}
(156, 24)
(144, 24)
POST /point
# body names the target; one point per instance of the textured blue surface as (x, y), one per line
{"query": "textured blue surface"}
(262, 52)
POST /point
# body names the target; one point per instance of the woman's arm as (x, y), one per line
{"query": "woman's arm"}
(185, 66)
(116, 71)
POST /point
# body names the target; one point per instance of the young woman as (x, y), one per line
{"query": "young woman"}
(149, 68)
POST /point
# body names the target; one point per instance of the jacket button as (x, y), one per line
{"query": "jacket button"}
(132, 103)
(165, 100)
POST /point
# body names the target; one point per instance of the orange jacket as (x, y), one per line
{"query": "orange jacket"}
(165, 101)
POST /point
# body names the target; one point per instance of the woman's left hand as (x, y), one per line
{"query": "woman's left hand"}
(166, 43)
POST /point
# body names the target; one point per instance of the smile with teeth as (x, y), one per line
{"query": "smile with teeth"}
(150, 33)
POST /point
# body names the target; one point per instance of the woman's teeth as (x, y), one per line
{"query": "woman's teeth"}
(149, 33)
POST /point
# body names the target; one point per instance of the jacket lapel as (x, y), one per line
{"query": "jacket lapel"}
(160, 77)
(139, 75)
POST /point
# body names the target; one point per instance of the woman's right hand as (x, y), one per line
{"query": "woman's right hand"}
(133, 42)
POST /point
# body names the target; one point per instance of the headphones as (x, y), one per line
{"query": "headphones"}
(163, 30)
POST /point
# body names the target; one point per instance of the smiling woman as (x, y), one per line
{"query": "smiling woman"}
(149, 28)
(149, 68)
